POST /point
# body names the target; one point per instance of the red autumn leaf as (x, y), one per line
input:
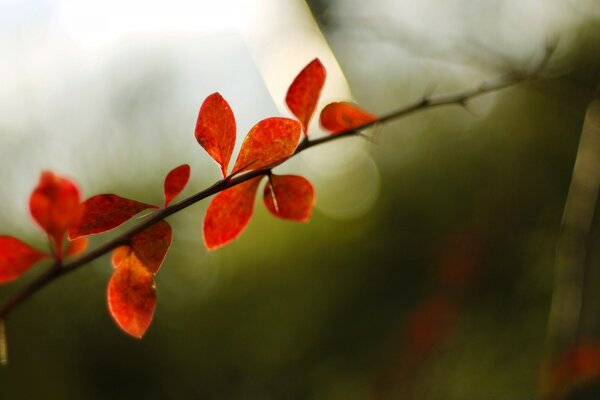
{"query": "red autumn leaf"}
(229, 213)
(104, 212)
(577, 366)
(289, 197)
(119, 254)
(151, 245)
(76, 247)
(341, 116)
(16, 257)
(54, 205)
(215, 129)
(268, 143)
(304, 92)
(131, 296)
(175, 182)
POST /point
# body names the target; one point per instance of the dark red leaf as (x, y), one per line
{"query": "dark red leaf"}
(578, 365)
(76, 247)
(215, 129)
(175, 182)
(131, 296)
(104, 212)
(289, 197)
(229, 213)
(54, 205)
(16, 257)
(304, 92)
(339, 117)
(269, 142)
(151, 245)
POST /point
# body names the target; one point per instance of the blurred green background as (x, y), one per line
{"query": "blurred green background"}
(427, 269)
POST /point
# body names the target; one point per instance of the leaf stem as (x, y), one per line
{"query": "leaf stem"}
(426, 102)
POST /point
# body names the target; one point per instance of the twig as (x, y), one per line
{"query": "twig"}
(426, 102)
(571, 250)
(3, 345)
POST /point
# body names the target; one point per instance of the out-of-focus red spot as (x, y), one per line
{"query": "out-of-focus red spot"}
(577, 366)
(429, 325)
(459, 257)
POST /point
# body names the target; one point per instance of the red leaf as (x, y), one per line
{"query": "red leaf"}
(131, 296)
(304, 92)
(576, 366)
(215, 129)
(289, 197)
(104, 212)
(339, 117)
(268, 143)
(76, 247)
(54, 205)
(229, 213)
(151, 245)
(119, 254)
(16, 257)
(175, 181)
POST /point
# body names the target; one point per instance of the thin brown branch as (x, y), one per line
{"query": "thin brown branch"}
(567, 304)
(460, 98)
(3, 344)
(426, 102)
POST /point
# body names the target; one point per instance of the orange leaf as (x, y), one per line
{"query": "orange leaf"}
(289, 197)
(215, 129)
(229, 213)
(131, 296)
(175, 181)
(269, 142)
(342, 116)
(104, 212)
(151, 245)
(304, 92)
(16, 257)
(54, 205)
(119, 254)
(76, 247)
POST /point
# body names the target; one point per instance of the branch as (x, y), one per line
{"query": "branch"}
(566, 311)
(427, 102)
(460, 99)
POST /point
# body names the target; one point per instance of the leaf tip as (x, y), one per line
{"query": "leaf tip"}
(175, 182)
(289, 197)
(304, 92)
(341, 116)
(229, 214)
(16, 258)
(216, 129)
(131, 297)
